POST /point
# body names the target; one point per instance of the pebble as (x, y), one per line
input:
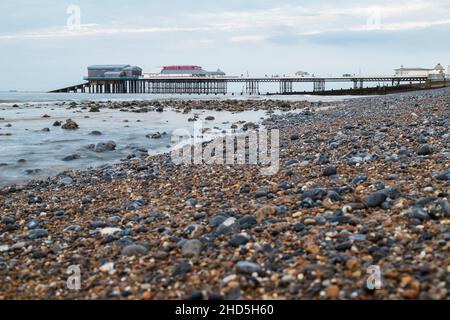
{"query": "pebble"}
(238, 240)
(375, 199)
(192, 248)
(425, 150)
(134, 250)
(329, 171)
(246, 267)
(37, 233)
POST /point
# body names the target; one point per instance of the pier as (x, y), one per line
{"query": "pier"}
(219, 84)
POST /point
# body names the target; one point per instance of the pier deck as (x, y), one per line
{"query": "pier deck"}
(219, 85)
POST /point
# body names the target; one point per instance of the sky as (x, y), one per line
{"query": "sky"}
(48, 44)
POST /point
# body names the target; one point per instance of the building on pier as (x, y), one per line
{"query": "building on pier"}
(189, 71)
(419, 72)
(113, 71)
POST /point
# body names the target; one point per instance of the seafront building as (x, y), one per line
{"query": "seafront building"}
(420, 72)
(114, 71)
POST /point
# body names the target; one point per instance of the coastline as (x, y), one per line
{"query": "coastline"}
(356, 188)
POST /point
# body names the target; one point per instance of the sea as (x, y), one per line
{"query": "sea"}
(28, 151)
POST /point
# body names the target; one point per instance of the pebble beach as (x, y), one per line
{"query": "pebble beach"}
(362, 184)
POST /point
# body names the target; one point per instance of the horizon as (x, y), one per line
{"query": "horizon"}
(49, 45)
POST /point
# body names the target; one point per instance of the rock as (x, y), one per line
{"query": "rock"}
(247, 222)
(182, 268)
(444, 176)
(191, 202)
(375, 199)
(109, 231)
(238, 240)
(94, 109)
(260, 193)
(45, 130)
(332, 292)
(4, 248)
(191, 248)
(57, 124)
(210, 118)
(32, 224)
(70, 125)
(329, 171)
(65, 180)
(134, 250)
(343, 246)
(294, 137)
(265, 212)
(194, 231)
(105, 146)
(418, 213)
(246, 267)
(425, 150)
(37, 233)
(107, 267)
(95, 133)
(156, 135)
(71, 157)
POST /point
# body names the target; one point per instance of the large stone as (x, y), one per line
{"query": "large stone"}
(105, 146)
(37, 233)
(246, 267)
(134, 250)
(375, 199)
(70, 125)
(425, 150)
(191, 248)
(329, 171)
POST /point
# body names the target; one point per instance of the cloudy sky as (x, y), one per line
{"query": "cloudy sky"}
(43, 47)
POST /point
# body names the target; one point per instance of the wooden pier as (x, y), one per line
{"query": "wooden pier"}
(219, 85)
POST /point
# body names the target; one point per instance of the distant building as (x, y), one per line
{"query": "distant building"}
(189, 71)
(302, 74)
(419, 72)
(113, 71)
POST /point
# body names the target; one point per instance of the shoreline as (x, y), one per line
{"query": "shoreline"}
(362, 184)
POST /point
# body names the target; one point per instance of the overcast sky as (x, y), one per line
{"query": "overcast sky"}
(42, 47)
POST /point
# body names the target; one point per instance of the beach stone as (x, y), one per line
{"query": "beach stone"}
(210, 118)
(156, 135)
(95, 133)
(425, 150)
(182, 268)
(192, 248)
(105, 146)
(238, 240)
(109, 231)
(57, 123)
(329, 171)
(134, 250)
(246, 267)
(37, 233)
(4, 248)
(444, 176)
(194, 231)
(71, 157)
(70, 125)
(260, 193)
(45, 130)
(247, 222)
(418, 213)
(32, 224)
(375, 199)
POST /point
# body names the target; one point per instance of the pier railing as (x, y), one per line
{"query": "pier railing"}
(219, 85)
